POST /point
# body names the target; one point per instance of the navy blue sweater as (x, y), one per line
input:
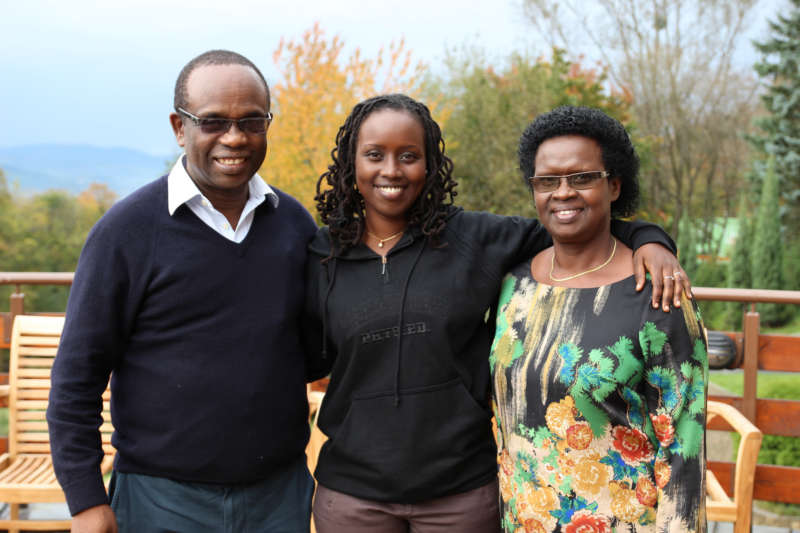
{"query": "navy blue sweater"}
(201, 336)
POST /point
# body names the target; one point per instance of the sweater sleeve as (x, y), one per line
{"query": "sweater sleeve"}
(676, 372)
(99, 316)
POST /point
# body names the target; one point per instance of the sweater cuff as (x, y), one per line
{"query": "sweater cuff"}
(85, 493)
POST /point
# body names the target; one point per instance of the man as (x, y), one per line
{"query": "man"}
(188, 293)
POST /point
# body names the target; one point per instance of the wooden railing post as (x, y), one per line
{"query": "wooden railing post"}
(16, 305)
(751, 330)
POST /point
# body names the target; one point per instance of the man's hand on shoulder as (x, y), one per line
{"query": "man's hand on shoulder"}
(98, 519)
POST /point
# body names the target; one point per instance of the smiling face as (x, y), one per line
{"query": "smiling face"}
(574, 216)
(222, 164)
(390, 167)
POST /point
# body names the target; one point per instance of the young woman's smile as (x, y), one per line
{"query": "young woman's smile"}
(390, 167)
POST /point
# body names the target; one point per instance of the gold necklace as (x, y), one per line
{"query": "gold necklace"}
(389, 238)
(593, 269)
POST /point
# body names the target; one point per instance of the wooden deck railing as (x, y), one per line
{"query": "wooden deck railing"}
(17, 303)
(773, 417)
(754, 352)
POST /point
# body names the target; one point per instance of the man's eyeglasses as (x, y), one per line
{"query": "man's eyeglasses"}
(217, 126)
(577, 181)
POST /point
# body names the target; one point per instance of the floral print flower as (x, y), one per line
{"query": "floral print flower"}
(589, 476)
(540, 501)
(632, 444)
(662, 473)
(533, 506)
(646, 492)
(586, 522)
(665, 431)
(532, 525)
(624, 504)
(579, 436)
(560, 416)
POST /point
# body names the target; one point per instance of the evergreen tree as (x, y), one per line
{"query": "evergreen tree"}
(739, 268)
(767, 254)
(687, 247)
(780, 67)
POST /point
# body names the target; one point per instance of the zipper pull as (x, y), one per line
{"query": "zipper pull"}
(383, 265)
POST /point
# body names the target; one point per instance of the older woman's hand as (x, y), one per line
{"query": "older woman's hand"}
(666, 273)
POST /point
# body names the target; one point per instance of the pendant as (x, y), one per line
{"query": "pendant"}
(380, 244)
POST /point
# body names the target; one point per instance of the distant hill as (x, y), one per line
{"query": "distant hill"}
(73, 167)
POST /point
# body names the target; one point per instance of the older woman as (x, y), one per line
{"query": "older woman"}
(600, 399)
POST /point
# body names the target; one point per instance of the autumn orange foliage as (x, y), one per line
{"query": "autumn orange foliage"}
(319, 87)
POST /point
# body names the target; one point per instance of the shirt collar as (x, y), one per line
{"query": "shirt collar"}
(181, 188)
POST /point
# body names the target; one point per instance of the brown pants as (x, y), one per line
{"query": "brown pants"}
(475, 511)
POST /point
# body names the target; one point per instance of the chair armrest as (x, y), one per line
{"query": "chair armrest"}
(4, 460)
(747, 456)
(733, 417)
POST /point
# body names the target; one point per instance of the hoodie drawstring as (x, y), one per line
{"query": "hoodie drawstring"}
(400, 325)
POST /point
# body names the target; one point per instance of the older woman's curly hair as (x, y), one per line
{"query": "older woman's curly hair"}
(341, 206)
(619, 155)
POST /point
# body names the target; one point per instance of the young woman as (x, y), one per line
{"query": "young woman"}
(402, 286)
(600, 400)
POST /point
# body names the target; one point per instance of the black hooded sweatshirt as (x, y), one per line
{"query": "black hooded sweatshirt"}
(407, 411)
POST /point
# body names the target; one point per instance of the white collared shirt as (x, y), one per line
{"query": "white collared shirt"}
(182, 190)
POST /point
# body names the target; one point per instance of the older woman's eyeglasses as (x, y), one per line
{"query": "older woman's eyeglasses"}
(577, 181)
(217, 125)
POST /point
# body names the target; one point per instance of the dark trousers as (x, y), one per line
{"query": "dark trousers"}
(474, 511)
(147, 504)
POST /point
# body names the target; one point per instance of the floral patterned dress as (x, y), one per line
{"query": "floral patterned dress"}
(600, 407)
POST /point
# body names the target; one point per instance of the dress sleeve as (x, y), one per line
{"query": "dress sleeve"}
(676, 373)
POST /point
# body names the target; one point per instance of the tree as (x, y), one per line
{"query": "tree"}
(687, 247)
(740, 266)
(780, 68)
(94, 202)
(319, 86)
(767, 256)
(491, 106)
(739, 274)
(675, 58)
(45, 233)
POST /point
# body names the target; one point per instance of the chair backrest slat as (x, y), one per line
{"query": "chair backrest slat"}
(34, 342)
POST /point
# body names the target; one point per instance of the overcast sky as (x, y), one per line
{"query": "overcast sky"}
(102, 73)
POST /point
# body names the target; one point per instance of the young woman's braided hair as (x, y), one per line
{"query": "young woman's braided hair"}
(341, 206)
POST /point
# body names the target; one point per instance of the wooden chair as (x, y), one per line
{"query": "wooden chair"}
(26, 471)
(318, 438)
(719, 506)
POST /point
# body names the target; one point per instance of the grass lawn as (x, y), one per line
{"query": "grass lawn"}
(783, 385)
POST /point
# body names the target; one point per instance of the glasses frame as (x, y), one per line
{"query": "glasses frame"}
(199, 120)
(570, 180)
